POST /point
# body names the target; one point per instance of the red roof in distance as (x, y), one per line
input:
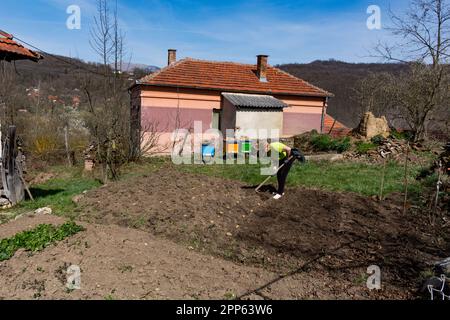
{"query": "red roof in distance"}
(334, 127)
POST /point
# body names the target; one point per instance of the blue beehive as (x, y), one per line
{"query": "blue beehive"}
(208, 151)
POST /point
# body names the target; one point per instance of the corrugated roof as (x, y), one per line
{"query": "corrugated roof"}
(11, 50)
(240, 100)
(230, 77)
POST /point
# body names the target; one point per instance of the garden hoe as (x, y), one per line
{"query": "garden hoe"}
(268, 178)
(296, 154)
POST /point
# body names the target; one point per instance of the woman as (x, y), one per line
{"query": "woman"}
(286, 157)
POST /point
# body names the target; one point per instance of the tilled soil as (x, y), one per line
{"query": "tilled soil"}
(121, 263)
(327, 239)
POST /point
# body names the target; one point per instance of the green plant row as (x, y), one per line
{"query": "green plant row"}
(37, 239)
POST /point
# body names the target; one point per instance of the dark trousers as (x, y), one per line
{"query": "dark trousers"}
(283, 173)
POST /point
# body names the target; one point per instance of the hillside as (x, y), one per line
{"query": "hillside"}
(339, 78)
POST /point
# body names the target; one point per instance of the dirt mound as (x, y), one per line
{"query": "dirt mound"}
(336, 235)
(122, 263)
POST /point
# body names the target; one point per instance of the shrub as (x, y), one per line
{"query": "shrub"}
(364, 147)
(378, 140)
(323, 142)
(401, 135)
(342, 145)
(44, 145)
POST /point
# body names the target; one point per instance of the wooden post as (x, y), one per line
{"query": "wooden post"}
(438, 188)
(1, 146)
(406, 181)
(383, 174)
(66, 143)
(2, 174)
(10, 166)
(14, 188)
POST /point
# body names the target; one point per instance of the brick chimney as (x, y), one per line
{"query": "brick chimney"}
(261, 72)
(172, 58)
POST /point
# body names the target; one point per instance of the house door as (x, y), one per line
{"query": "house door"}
(216, 119)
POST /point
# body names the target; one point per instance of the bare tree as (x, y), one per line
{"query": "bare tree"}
(416, 96)
(372, 94)
(422, 32)
(108, 110)
(423, 38)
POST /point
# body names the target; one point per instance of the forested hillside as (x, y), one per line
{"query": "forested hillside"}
(62, 75)
(340, 79)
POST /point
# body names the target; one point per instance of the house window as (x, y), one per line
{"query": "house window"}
(216, 119)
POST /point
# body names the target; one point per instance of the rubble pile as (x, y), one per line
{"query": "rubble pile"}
(390, 148)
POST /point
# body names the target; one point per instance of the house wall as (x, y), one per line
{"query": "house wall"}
(163, 109)
(303, 114)
(260, 120)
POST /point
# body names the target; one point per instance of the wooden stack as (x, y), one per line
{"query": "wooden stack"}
(393, 148)
(11, 171)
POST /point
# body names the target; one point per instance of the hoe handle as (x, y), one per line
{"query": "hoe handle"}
(268, 178)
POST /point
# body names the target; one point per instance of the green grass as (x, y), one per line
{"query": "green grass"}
(143, 167)
(37, 239)
(359, 178)
(365, 147)
(57, 193)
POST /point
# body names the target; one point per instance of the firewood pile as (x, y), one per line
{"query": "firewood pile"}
(393, 148)
(389, 149)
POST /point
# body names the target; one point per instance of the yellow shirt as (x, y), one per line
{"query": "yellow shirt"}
(279, 147)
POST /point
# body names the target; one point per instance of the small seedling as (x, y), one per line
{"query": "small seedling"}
(230, 296)
(124, 269)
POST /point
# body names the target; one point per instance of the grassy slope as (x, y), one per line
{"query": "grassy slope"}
(360, 178)
(58, 192)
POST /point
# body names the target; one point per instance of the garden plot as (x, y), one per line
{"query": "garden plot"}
(327, 239)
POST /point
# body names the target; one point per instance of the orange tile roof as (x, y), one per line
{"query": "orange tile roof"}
(11, 50)
(334, 128)
(231, 77)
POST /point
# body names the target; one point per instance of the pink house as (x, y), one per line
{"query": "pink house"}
(223, 95)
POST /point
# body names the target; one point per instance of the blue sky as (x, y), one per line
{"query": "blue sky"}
(288, 31)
